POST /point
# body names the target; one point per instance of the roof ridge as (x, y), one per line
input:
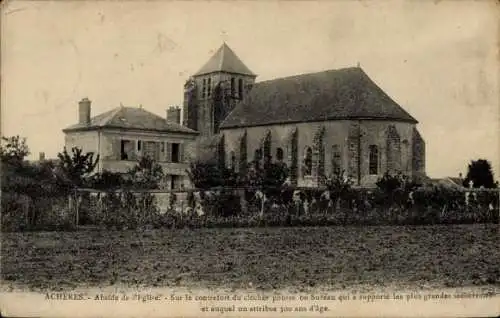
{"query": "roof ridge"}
(127, 117)
(312, 73)
(106, 116)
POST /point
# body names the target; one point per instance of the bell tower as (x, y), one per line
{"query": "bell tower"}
(212, 92)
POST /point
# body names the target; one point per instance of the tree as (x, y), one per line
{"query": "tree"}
(147, 174)
(269, 177)
(13, 149)
(480, 173)
(338, 185)
(205, 175)
(75, 167)
(107, 180)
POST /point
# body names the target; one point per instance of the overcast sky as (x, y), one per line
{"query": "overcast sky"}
(436, 59)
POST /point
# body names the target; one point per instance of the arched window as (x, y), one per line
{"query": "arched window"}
(240, 88)
(209, 87)
(266, 148)
(204, 88)
(336, 160)
(233, 87)
(279, 154)
(307, 161)
(232, 161)
(373, 160)
(257, 157)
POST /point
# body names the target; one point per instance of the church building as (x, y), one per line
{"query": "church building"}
(318, 124)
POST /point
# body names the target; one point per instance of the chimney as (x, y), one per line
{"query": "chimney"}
(41, 156)
(174, 114)
(84, 111)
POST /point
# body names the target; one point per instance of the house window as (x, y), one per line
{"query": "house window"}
(162, 147)
(233, 88)
(209, 89)
(240, 88)
(151, 150)
(279, 154)
(126, 149)
(175, 155)
(139, 145)
(204, 88)
(307, 161)
(336, 160)
(175, 182)
(373, 160)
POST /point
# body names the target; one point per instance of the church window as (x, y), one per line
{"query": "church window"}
(233, 87)
(209, 89)
(204, 88)
(266, 146)
(373, 160)
(257, 154)
(257, 157)
(240, 88)
(232, 161)
(307, 161)
(279, 154)
(336, 160)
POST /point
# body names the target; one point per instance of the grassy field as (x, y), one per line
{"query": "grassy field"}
(264, 258)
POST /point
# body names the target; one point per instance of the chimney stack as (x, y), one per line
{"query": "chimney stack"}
(174, 114)
(84, 111)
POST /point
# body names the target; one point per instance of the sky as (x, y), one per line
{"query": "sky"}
(438, 60)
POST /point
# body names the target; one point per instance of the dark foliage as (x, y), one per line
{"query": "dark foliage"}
(481, 174)
(146, 174)
(77, 165)
(107, 180)
(206, 175)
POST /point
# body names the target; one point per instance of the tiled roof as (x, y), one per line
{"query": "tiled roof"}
(224, 60)
(131, 118)
(335, 94)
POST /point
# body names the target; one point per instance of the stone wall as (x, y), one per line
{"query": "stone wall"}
(393, 150)
(353, 139)
(204, 110)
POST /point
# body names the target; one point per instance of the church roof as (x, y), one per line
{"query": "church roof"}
(329, 95)
(224, 60)
(133, 118)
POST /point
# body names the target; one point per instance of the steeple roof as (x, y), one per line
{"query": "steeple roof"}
(225, 60)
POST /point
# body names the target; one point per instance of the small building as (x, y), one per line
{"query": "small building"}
(123, 135)
(448, 182)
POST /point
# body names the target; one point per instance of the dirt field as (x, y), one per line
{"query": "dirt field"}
(283, 258)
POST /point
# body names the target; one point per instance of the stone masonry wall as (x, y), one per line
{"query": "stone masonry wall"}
(343, 133)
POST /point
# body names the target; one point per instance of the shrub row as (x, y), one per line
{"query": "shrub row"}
(223, 209)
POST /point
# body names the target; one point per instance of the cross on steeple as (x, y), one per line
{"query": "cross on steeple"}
(223, 35)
